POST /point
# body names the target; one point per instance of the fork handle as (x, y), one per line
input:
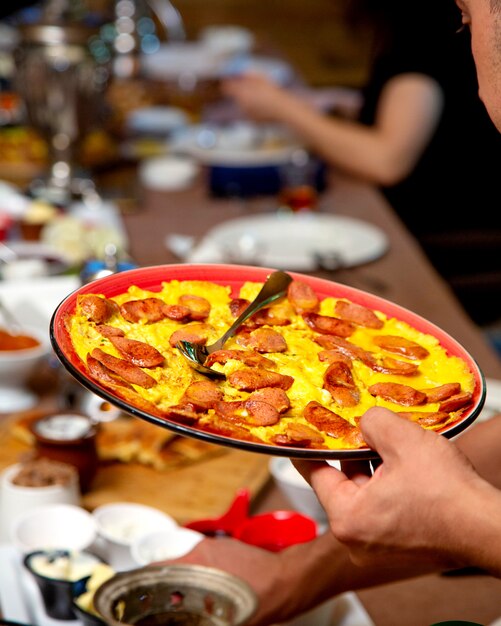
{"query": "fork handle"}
(275, 287)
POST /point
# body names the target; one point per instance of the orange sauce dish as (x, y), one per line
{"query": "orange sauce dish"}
(11, 341)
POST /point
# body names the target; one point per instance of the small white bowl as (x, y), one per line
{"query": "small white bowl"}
(296, 489)
(163, 545)
(120, 524)
(169, 173)
(16, 367)
(54, 526)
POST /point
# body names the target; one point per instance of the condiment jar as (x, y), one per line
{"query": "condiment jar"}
(69, 437)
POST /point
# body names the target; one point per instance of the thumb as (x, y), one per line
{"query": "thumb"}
(389, 434)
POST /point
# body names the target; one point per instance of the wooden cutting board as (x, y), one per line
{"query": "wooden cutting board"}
(203, 489)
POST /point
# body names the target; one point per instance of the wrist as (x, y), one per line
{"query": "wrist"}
(478, 527)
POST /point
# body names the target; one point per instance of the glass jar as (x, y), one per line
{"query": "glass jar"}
(70, 438)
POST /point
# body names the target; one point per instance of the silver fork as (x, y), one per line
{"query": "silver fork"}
(274, 288)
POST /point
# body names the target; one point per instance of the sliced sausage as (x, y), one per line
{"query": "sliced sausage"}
(299, 435)
(257, 378)
(402, 346)
(425, 418)
(96, 308)
(129, 372)
(346, 348)
(103, 374)
(332, 424)
(200, 307)
(438, 394)
(183, 413)
(331, 356)
(137, 352)
(238, 306)
(177, 312)
(248, 357)
(358, 314)
(398, 393)
(249, 412)
(110, 331)
(455, 402)
(202, 394)
(267, 340)
(194, 333)
(327, 325)
(274, 396)
(338, 380)
(302, 297)
(387, 365)
(148, 309)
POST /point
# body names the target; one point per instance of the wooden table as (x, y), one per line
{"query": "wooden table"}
(402, 275)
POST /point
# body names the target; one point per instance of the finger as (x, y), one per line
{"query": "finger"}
(356, 468)
(390, 435)
(325, 480)
(359, 472)
(308, 468)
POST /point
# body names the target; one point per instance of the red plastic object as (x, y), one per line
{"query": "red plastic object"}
(276, 530)
(6, 223)
(226, 524)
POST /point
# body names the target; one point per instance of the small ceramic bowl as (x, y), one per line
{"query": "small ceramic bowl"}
(120, 524)
(162, 545)
(295, 488)
(60, 575)
(175, 594)
(276, 530)
(168, 173)
(54, 527)
(16, 367)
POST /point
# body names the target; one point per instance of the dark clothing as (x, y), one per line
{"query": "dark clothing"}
(450, 200)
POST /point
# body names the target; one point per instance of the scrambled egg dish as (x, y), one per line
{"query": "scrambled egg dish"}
(300, 373)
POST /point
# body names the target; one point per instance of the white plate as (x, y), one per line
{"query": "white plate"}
(289, 241)
(240, 144)
(156, 119)
(276, 70)
(183, 61)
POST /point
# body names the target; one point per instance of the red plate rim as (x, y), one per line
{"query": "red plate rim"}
(151, 279)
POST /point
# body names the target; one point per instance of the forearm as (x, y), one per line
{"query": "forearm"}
(480, 444)
(319, 570)
(354, 148)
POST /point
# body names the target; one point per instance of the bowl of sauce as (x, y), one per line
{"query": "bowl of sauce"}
(20, 355)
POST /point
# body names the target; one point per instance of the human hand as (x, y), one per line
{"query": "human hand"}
(258, 96)
(413, 508)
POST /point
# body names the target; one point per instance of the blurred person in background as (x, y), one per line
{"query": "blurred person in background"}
(422, 135)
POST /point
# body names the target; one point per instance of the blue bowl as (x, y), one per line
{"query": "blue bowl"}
(246, 181)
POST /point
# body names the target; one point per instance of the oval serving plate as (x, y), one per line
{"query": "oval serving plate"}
(151, 279)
